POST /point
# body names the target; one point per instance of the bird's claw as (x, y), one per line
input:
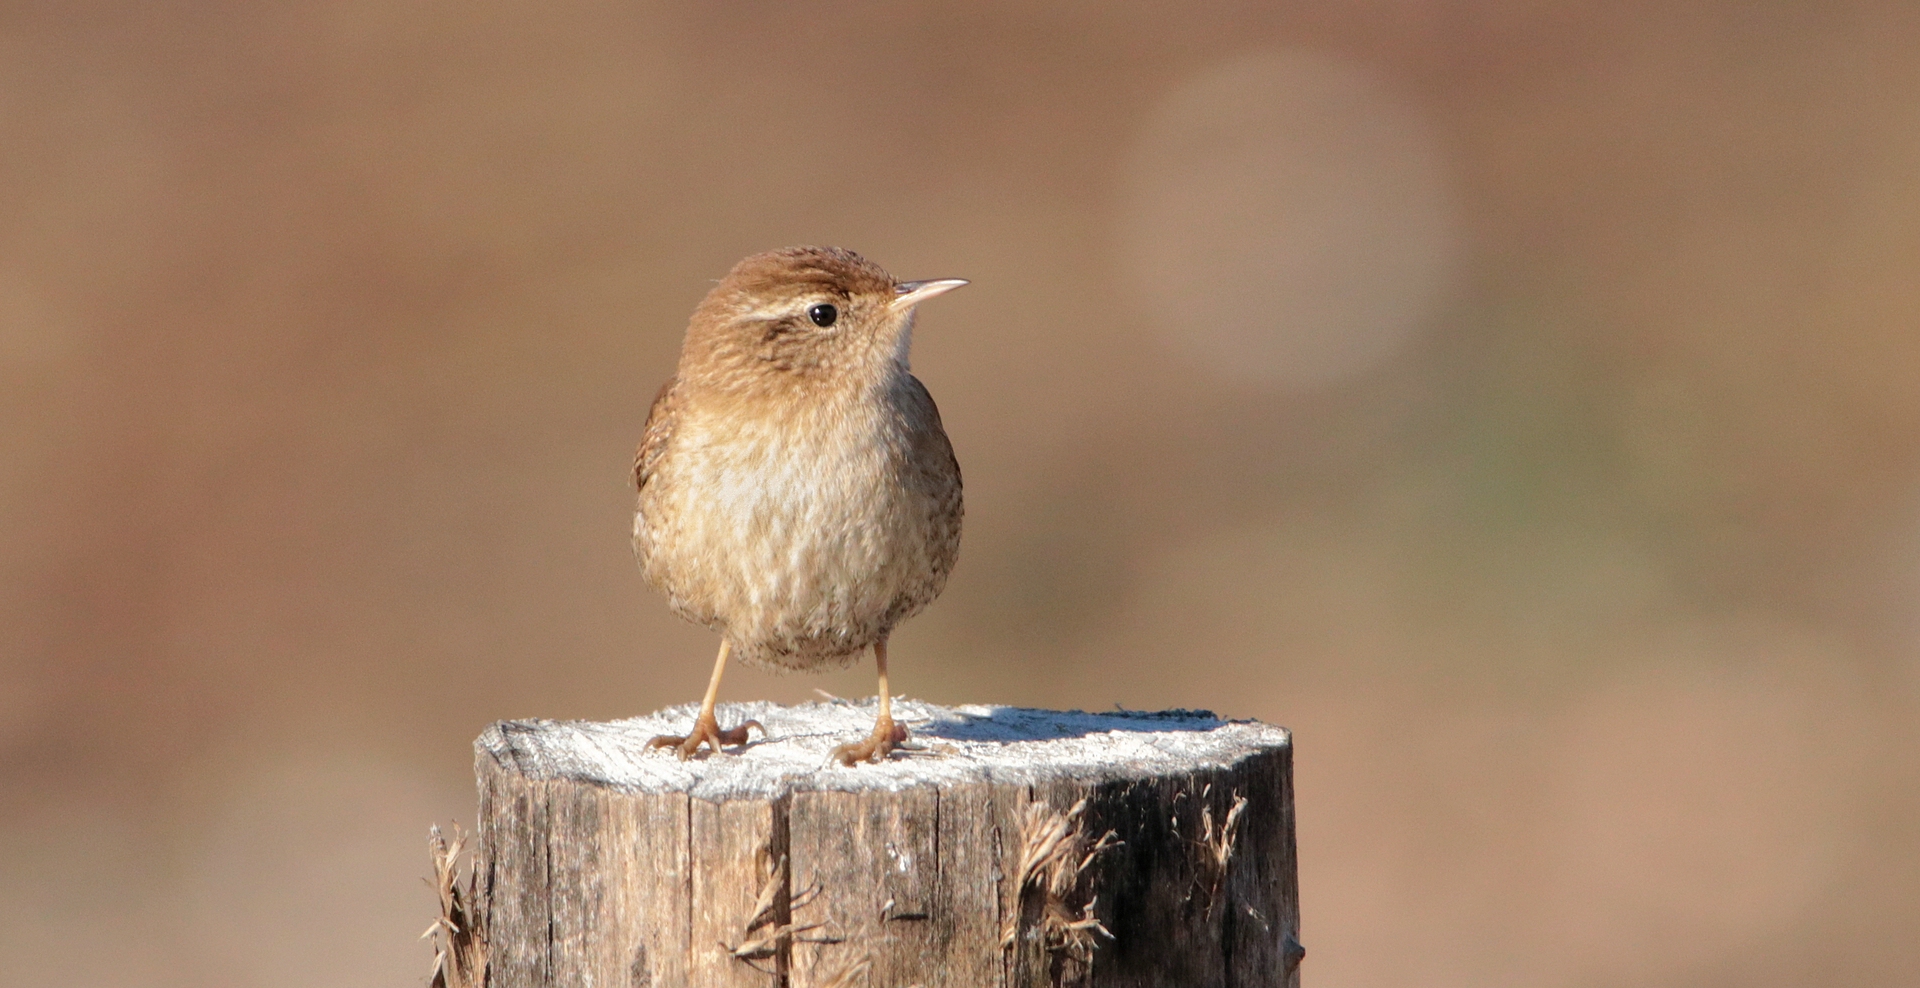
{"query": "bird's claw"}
(706, 731)
(886, 736)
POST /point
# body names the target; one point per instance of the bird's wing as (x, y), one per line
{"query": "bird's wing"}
(653, 440)
(932, 451)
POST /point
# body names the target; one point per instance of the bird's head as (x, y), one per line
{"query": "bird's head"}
(804, 317)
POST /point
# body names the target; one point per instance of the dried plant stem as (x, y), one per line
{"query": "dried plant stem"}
(459, 936)
(1054, 854)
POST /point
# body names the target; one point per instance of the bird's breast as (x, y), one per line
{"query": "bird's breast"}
(798, 534)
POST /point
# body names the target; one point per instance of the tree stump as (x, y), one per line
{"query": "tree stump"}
(1010, 847)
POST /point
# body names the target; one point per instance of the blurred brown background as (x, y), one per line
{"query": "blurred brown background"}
(1517, 400)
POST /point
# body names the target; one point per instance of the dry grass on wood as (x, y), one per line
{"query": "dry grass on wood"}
(1216, 844)
(1054, 853)
(459, 936)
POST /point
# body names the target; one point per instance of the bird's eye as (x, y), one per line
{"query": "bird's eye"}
(823, 315)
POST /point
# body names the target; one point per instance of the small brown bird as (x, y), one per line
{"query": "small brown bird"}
(797, 493)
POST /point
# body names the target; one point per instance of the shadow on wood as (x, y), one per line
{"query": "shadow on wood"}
(1011, 847)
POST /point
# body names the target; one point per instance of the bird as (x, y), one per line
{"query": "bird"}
(797, 491)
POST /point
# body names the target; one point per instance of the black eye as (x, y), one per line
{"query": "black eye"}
(823, 314)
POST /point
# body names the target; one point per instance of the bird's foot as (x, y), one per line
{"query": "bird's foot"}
(886, 736)
(705, 730)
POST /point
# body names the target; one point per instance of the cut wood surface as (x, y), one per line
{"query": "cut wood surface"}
(1006, 847)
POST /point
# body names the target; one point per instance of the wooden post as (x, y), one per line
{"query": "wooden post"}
(1014, 847)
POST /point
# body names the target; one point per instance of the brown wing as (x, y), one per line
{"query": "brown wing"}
(934, 475)
(939, 473)
(932, 453)
(653, 440)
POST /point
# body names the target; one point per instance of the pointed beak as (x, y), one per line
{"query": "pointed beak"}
(908, 294)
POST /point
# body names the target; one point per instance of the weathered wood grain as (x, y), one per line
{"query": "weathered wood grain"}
(1012, 848)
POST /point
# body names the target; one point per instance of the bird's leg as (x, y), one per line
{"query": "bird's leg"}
(705, 728)
(886, 735)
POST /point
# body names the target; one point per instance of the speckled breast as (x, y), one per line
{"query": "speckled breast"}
(804, 538)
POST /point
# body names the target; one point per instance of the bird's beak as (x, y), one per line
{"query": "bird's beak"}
(908, 294)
